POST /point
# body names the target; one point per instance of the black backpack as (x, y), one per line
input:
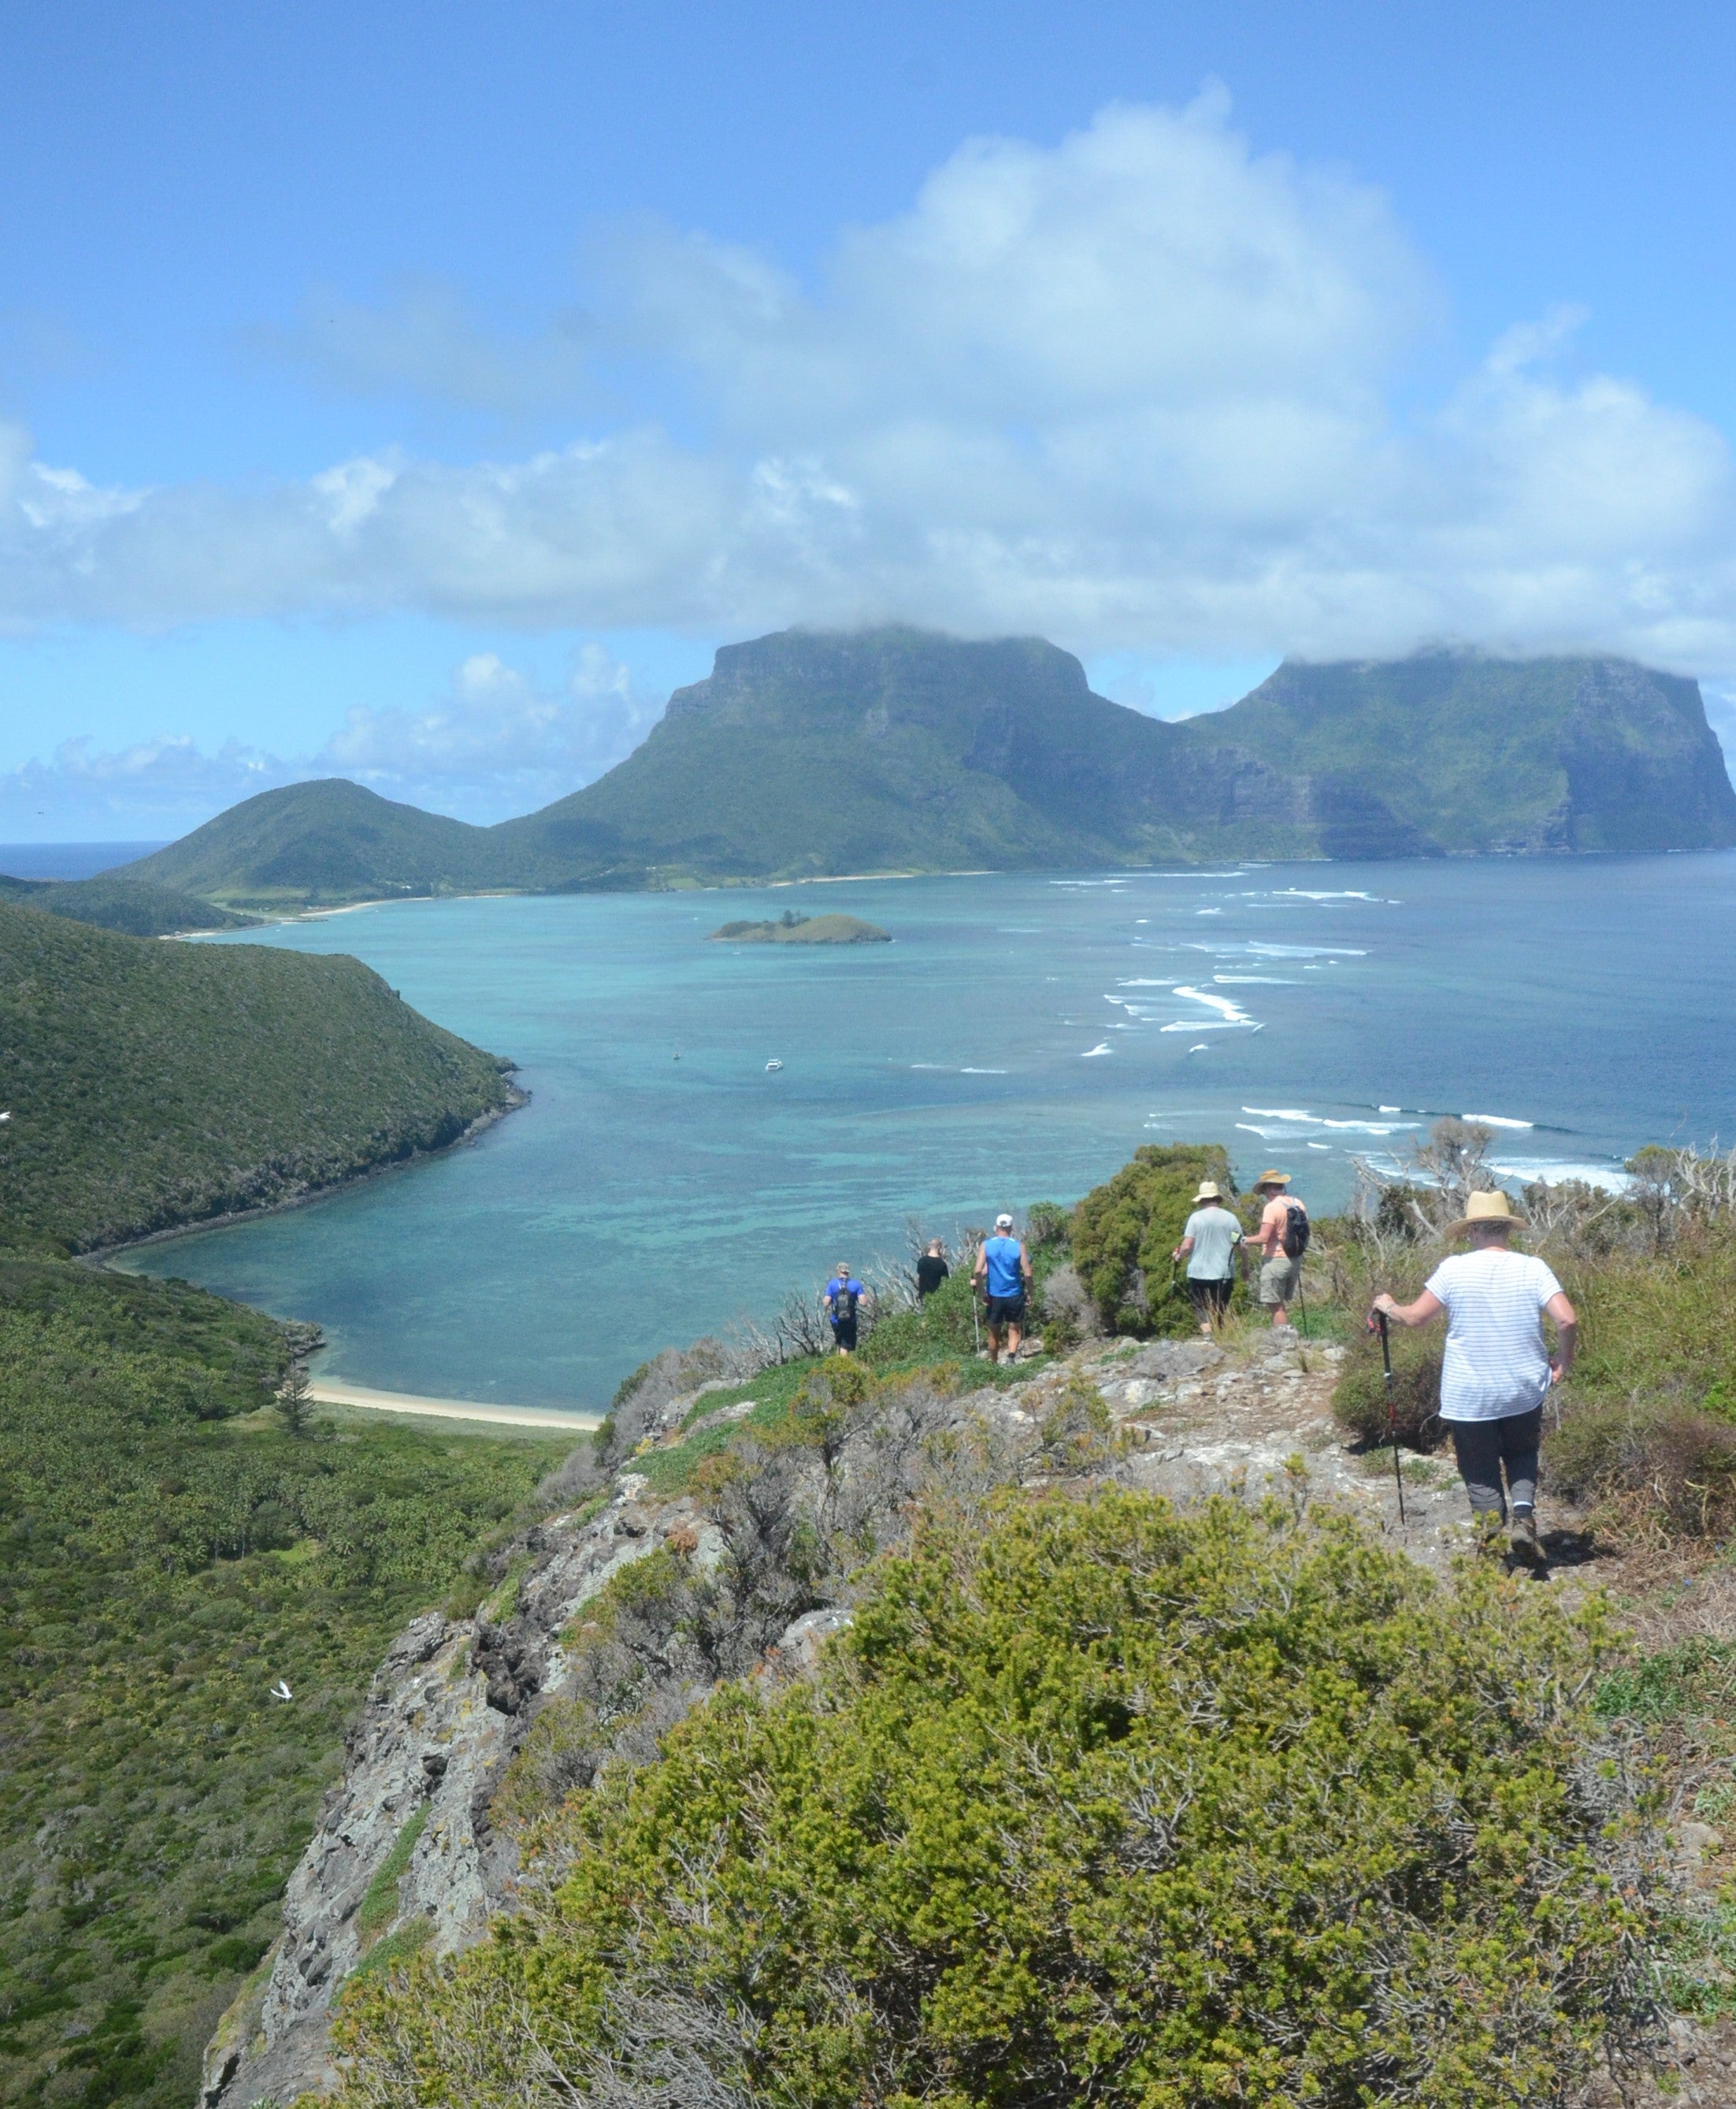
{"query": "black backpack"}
(1296, 1229)
(843, 1305)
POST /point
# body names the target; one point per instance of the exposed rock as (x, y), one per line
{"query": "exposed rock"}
(454, 1700)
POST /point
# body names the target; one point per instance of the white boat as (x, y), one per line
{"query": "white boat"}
(772, 1064)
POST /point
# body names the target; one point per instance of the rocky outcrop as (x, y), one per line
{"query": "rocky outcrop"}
(444, 1715)
(455, 1699)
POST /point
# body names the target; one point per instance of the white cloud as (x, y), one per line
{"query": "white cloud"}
(1134, 390)
(155, 788)
(498, 742)
(496, 745)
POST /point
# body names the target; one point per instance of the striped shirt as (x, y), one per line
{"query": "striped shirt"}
(1496, 1363)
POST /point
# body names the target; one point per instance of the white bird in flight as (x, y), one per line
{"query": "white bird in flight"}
(280, 1690)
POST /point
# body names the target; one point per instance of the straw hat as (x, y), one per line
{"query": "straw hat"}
(1273, 1179)
(1491, 1208)
(1208, 1192)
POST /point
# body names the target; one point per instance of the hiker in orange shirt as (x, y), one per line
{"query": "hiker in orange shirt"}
(1281, 1239)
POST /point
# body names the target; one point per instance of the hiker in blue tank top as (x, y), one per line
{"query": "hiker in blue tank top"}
(843, 1293)
(1003, 1271)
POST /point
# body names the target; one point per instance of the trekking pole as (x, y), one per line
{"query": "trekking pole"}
(1379, 1318)
(1302, 1306)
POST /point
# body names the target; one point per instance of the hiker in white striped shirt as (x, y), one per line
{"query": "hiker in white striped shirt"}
(1497, 1370)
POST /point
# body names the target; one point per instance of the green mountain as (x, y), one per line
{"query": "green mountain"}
(150, 1085)
(327, 843)
(1484, 756)
(808, 754)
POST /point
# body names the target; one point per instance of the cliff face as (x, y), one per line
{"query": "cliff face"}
(446, 1709)
(1458, 754)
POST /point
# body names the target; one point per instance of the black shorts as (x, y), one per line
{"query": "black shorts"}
(1006, 1310)
(844, 1332)
(1210, 1299)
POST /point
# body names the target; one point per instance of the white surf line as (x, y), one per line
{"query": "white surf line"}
(453, 1409)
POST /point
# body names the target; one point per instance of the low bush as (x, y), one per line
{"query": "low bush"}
(942, 1325)
(1124, 1231)
(1658, 1467)
(1109, 1803)
(1359, 1399)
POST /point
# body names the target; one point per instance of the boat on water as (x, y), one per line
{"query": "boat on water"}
(774, 1063)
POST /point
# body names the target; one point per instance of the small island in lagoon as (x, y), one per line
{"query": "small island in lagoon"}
(791, 929)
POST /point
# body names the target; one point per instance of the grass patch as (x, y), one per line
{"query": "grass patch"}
(379, 1905)
(402, 1945)
(1698, 1676)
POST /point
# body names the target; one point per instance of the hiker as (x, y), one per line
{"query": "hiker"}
(932, 1270)
(843, 1293)
(1281, 1239)
(1209, 1241)
(1002, 1271)
(1497, 1370)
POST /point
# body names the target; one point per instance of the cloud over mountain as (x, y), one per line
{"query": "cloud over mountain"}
(1141, 390)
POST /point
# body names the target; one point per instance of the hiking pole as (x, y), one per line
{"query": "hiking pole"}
(1379, 1317)
(1302, 1306)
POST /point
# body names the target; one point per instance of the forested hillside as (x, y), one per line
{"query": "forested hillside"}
(150, 1085)
(169, 1550)
(136, 906)
(172, 1544)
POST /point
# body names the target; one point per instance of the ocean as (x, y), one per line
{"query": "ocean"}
(1017, 1042)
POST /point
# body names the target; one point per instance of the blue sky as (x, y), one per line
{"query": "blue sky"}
(422, 393)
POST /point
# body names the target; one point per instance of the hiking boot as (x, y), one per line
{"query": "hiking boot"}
(1522, 1540)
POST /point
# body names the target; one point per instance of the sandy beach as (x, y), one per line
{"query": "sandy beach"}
(452, 1409)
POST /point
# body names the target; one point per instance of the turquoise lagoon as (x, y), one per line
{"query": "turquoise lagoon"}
(1021, 1036)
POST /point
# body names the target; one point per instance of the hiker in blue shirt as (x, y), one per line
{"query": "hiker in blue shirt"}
(843, 1293)
(1002, 1271)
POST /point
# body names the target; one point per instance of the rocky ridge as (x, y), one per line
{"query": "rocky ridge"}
(455, 1698)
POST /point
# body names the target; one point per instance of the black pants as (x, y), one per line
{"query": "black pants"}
(1210, 1299)
(844, 1333)
(1484, 1448)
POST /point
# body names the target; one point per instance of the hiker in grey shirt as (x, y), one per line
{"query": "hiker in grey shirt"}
(1209, 1242)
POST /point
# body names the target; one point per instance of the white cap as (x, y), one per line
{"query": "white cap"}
(1004, 1222)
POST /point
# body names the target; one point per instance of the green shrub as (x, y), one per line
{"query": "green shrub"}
(1661, 1467)
(941, 1326)
(1110, 1804)
(1360, 1397)
(1124, 1233)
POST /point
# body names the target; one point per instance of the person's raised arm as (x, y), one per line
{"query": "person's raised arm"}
(1427, 1306)
(1567, 1334)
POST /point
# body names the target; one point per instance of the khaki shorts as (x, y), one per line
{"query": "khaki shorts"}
(1280, 1277)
